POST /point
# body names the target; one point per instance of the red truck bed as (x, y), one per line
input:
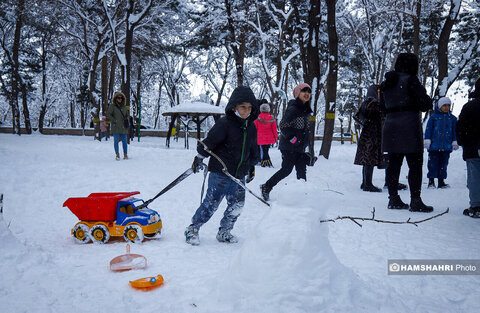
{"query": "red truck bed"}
(97, 206)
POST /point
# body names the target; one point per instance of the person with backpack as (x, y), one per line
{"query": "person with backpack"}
(369, 149)
(468, 135)
(117, 113)
(294, 138)
(266, 133)
(233, 139)
(440, 140)
(403, 98)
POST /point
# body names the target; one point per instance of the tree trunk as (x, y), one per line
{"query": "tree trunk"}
(416, 28)
(442, 50)
(111, 81)
(104, 85)
(43, 108)
(331, 92)
(16, 79)
(26, 113)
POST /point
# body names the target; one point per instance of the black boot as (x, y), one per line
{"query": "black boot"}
(417, 205)
(395, 203)
(472, 212)
(265, 192)
(431, 183)
(367, 184)
(441, 184)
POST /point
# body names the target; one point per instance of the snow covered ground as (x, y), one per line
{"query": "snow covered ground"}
(285, 261)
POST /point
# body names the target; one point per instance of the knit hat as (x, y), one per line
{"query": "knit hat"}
(407, 63)
(265, 107)
(296, 90)
(476, 92)
(442, 101)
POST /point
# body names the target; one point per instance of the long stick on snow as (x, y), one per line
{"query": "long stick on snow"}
(225, 171)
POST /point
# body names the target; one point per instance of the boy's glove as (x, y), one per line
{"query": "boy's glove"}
(251, 174)
(294, 140)
(455, 145)
(426, 143)
(197, 164)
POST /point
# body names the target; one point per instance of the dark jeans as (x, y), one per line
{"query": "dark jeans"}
(289, 160)
(415, 163)
(220, 186)
(437, 164)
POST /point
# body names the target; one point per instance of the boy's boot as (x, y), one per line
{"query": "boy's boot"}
(117, 157)
(191, 236)
(224, 235)
(265, 192)
(417, 205)
(125, 156)
(431, 183)
(441, 184)
(395, 203)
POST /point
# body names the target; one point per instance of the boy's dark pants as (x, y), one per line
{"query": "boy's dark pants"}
(220, 186)
(437, 164)
(289, 160)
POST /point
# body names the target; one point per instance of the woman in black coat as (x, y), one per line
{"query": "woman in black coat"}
(404, 98)
(294, 138)
(369, 149)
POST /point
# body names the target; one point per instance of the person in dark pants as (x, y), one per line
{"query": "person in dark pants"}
(369, 149)
(403, 99)
(468, 135)
(233, 139)
(294, 138)
(440, 140)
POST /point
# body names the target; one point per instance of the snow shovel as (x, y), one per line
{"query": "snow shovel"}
(128, 261)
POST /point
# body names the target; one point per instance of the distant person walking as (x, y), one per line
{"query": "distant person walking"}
(104, 128)
(117, 114)
(267, 133)
(440, 140)
(403, 99)
(294, 138)
(468, 135)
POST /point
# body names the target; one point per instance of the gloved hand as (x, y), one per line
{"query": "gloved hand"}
(294, 140)
(251, 174)
(197, 164)
(426, 143)
(455, 145)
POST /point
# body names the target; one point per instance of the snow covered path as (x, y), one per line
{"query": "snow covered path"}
(286, 261)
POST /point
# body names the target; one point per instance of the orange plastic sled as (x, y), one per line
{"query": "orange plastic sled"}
(128, 261)
(147, 282)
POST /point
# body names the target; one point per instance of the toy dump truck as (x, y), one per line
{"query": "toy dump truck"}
(108, 214)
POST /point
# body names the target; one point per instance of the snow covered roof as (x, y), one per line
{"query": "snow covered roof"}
(195, 107)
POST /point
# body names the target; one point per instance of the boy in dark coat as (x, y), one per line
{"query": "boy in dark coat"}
(440, 140)
(403, 100)
(294, 138)
(468, 135)
(233, 139)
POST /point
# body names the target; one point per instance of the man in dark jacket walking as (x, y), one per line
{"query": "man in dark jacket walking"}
(294, 138)
(468, 136)
(403, 100)
(233, 139)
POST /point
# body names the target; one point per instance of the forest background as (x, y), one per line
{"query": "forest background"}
(61, 60)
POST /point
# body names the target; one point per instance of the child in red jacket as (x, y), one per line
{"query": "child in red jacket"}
(266, 133)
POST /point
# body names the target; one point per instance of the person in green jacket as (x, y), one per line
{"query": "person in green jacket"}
(117, 114)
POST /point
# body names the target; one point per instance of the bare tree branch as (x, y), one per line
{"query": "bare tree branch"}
(373, 219)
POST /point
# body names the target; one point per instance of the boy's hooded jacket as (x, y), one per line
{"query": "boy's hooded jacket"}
(440, 131)
(232, 138)
(116, 114)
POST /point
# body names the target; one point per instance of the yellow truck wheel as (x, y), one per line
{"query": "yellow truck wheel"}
(100, 234)
(81, 233)
(133, 233)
